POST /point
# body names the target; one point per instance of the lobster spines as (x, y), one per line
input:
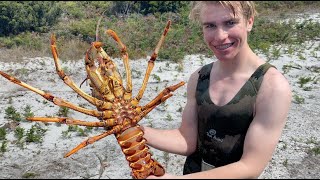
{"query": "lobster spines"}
(137, 154)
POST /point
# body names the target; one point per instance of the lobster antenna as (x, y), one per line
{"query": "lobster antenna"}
(97, 29)
(98, 24)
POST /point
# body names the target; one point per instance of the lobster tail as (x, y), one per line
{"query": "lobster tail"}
(137, 153)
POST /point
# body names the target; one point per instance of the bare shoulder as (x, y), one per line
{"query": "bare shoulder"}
(274, 96)
(193, 79)
(275, 83)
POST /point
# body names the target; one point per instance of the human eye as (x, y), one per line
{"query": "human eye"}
(231, 22)
(209, 26)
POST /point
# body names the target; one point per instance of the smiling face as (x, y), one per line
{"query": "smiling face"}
(224, 32)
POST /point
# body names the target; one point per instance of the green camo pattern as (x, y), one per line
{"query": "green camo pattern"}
(222, 129)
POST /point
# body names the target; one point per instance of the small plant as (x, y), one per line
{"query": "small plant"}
(88, 129)
(66, 70)
(312, 140)
(72, 128)
(304, 80)
(3, 133)
(314, 68)
(35, 134)
(27, 112)
(290, 50)
(81, 132)
(316, 150)
(309, 88)
(185, 94)
(11, 113)
(167, 64)
(169, 117)
(21, 72)
(164, 104)
(135, 73)
(76, 128)
(19, 133)
(287, 67)
(29, 175)
(301, 56)
(284, 146)
(275, 52)
(150, 123)
(166, 157)
(179, 67)
(63, 111)
(156, 77)
(65, 134)
(298, 99)
(3, 147)
(285, 162)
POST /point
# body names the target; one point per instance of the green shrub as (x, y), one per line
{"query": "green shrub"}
(3, 147)
(27, 112)
(3, 133)
(19, 133)
(11, 113)
(35, 134)
(63, 111)
(24, 16)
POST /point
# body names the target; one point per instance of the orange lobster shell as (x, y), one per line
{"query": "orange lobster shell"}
(118, 112)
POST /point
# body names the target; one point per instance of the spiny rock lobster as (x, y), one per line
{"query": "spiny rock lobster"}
(118, 112)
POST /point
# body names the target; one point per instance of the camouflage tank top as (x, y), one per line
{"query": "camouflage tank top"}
(222, 129)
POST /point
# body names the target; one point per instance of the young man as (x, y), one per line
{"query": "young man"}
(236, 106)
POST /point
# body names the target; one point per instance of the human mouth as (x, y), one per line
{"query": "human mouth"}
(224, 46)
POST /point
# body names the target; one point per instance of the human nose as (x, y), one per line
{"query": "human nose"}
(220, 34)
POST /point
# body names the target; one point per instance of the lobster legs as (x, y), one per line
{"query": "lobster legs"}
(117, 111)
(151, 64)
(68, 81)
(93, 139)
(58, 101)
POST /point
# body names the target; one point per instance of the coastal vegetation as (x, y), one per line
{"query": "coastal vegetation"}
(26, 27)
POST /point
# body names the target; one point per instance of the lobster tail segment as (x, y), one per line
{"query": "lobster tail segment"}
(155, 168)
(137, 153)
(158, 170)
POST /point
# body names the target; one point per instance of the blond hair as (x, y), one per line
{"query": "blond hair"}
(246, 8)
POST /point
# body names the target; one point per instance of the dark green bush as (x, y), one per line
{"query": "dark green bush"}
(24, 16)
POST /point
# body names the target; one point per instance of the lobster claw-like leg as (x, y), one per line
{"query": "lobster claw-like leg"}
(69, 121)
(93, 139)
(151, 65)
(68, 81)
(163, 96)
(125, 58)
(58, 101)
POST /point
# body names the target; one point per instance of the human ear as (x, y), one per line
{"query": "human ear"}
(250, 24)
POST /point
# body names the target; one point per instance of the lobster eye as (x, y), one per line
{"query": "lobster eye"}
(97, 44)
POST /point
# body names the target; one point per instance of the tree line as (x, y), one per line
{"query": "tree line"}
(38, 16)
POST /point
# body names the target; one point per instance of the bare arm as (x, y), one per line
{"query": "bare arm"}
(182, 140)
(272, 106)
